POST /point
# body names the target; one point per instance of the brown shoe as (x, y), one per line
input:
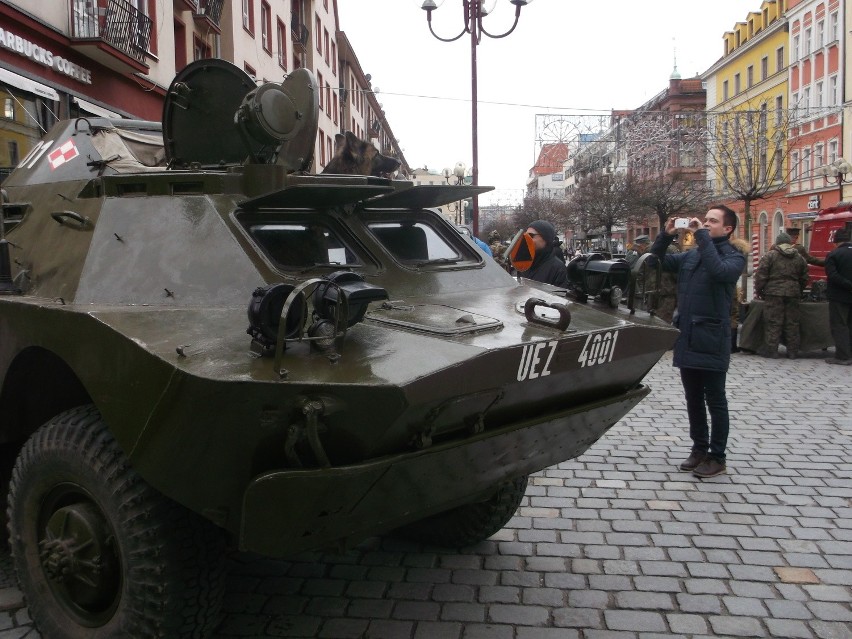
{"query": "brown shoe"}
(694, 459)
(710, 467)
(839, 362)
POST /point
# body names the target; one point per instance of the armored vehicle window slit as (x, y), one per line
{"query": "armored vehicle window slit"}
(415, 242)
(295, 245)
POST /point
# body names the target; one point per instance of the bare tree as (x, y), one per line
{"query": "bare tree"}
(673, 194)
(748, 153)
(602, 201)
(665, 155)
(554, 210)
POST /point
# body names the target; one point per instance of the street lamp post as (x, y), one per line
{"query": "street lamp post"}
(474, 11)
(837, 171)
(456, 175)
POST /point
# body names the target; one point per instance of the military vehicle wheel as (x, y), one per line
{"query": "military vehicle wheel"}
(99, 553)
(471, 523)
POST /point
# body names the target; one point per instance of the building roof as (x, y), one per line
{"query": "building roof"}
(550, 159)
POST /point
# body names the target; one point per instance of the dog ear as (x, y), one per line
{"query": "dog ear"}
(339, 143)
(352, 141)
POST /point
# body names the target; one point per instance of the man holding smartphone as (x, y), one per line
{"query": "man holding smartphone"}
(707, 278)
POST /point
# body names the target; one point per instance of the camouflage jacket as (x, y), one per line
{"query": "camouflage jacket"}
(782, 271)
(810, 259)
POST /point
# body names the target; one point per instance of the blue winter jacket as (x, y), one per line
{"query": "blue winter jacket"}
(706, 279)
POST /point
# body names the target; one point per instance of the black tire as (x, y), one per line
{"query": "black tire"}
(99, 553)
(471, 523)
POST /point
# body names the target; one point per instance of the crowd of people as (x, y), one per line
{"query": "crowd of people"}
(698, 293)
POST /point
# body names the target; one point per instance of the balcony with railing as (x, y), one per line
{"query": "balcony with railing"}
(299, 32)
(209, 13)
(117, 34)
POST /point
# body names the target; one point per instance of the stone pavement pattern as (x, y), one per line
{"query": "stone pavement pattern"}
(618, 544)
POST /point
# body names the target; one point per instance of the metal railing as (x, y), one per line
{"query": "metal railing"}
(211, 9)
(119, 24)
(299, 31)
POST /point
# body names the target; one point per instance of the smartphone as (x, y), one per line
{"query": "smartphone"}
(681, 223)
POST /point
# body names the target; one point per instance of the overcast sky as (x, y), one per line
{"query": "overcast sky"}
(566, 58)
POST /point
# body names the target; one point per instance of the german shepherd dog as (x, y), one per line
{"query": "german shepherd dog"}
(353, 156)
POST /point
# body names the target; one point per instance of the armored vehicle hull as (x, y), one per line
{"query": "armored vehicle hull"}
(393, 377)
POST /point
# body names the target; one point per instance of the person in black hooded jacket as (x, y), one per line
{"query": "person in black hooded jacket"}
(546, 267)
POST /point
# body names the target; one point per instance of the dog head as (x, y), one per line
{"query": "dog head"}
(359, 157)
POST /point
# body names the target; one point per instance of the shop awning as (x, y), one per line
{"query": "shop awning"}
(25, 84)
(94, 109)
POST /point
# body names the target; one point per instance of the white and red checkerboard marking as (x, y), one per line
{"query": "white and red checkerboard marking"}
(63, 154)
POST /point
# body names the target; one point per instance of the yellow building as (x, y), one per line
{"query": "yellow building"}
(748, 117)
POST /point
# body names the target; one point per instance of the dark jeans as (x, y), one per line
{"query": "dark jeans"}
(840, 322)
(706, 388)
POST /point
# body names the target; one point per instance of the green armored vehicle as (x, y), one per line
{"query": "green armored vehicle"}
(204, 347)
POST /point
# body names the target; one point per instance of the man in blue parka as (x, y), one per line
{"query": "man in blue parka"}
(706, 280)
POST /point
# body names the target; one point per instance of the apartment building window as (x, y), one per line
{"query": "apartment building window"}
(820, 43)
(327, 46)
(328, 149)
(725, 90)
(794, 166)
(248, 69)
(200, 49)
(318, 32)
(266, 27)
(14, 156)
(320, 86)
(834, 27)
(777, 162)
(764, 67)
(333, 58)
(9, 108)
(796, 42)
(818, 96)
(832, 151)
(336, 108)
(806, 100)
(282, 45)
(796, 104)
(750, 76)
(819, 156)
(737, 86)
(248, 16)
(328, 99)
(779, 59)
(807, 42)
(779, 109)
(832, 91)
(321, 140)
(806, 163)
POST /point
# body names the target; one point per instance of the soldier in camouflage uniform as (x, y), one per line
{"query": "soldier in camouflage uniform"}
(793, 232)
(779, 280)
(667, 294)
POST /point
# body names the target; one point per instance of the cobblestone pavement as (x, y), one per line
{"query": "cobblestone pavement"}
(616, 545)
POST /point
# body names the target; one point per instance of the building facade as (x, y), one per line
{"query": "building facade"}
(749, 121)
(816, 86)
(117, 58)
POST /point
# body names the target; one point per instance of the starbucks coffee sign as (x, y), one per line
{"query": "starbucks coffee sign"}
(44, 57)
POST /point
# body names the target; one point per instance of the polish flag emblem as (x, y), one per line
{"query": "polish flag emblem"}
(63, 154)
